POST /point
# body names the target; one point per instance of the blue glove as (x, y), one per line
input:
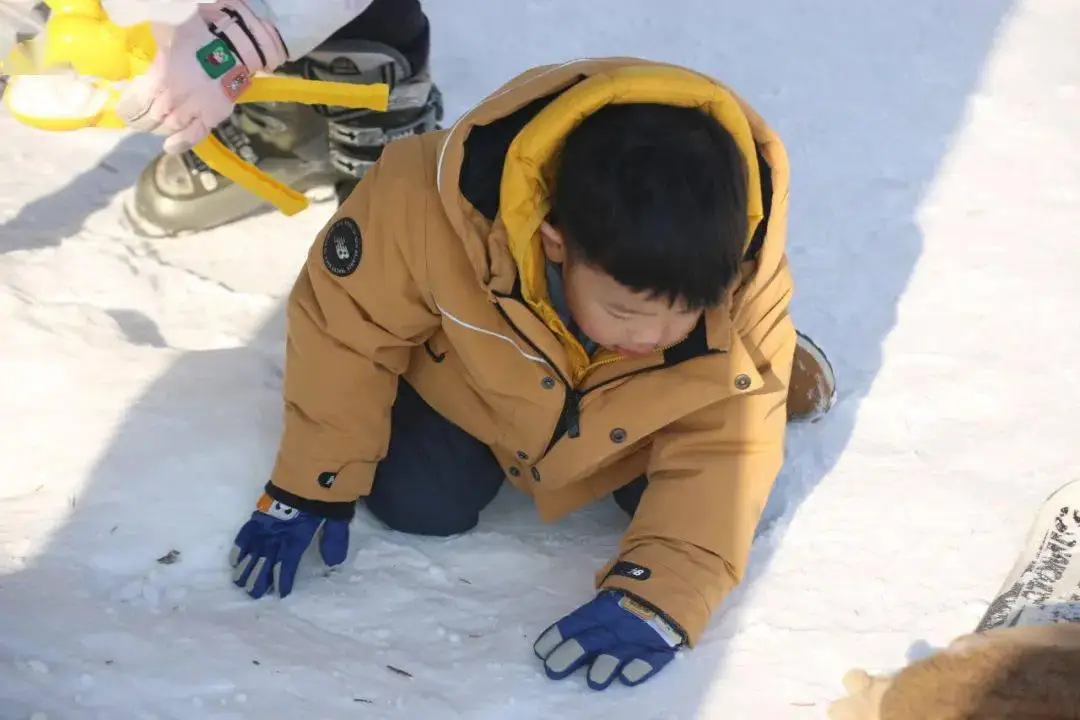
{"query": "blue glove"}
(268, 548)
(615, 636)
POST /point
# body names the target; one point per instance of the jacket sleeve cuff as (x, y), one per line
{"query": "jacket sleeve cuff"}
(304, 25)
(321, 482)
(329, 510)
(641, 573)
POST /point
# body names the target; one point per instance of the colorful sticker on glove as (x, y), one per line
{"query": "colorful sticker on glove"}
(628, 604)
(664, 629)
(235, 82)
(275, 509)
(216, 58)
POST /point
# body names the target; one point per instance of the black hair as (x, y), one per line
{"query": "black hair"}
(654, 196)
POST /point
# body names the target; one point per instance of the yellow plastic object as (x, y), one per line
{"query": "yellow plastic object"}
(221, 159)
(277, 88)
(80, 36)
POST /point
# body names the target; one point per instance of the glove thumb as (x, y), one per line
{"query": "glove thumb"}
(134, 103)
(334, 542)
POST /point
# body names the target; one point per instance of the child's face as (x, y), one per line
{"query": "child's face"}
(631, 324)
(613, 315)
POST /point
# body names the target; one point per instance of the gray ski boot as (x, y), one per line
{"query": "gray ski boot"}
(355, 138)
(308, 148)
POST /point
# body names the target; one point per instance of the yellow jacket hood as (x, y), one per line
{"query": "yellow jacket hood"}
(495, 166)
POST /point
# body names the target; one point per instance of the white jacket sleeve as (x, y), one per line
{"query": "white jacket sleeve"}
(304, 24)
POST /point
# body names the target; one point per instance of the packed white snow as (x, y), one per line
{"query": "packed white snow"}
(60, 96)
(934, 240)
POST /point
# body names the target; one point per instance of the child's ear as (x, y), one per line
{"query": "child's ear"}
(552, 240)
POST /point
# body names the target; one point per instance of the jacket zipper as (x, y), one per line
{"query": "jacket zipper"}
(570, 415)
(573, 415)
(580, 395)
(607, 361)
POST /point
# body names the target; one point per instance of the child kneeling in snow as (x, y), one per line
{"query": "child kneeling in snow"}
(582, 287)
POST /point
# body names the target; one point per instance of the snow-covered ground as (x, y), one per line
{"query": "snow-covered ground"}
(934, 237)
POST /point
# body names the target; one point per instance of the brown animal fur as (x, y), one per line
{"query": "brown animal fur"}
(991, 682)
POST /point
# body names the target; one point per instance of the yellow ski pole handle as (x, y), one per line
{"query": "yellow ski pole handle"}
(225, 162)
(281, 88)
(285, 89)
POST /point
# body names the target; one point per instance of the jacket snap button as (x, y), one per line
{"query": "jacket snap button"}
(742, 381)
(514, 471)
(617, 435)
(522, 455)
(536, 474)
(548, 382)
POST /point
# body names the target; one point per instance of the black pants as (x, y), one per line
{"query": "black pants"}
(436, 478)
(401, 24)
